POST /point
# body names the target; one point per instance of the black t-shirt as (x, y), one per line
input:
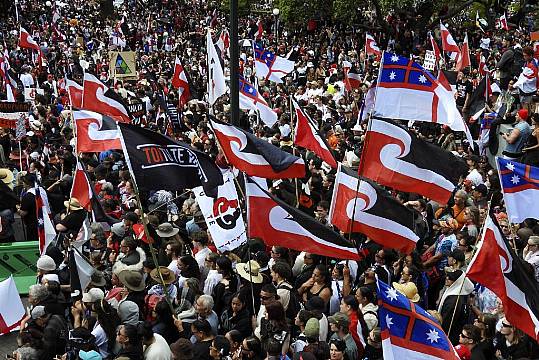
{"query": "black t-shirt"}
(73, 221)
(463, 89)
(28, 204)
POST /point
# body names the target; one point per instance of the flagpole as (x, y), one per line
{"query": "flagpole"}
(144, 219)
(296, 182)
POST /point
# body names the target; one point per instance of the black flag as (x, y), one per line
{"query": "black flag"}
(157, 162)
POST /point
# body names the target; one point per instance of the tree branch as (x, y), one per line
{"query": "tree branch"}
(454, 12)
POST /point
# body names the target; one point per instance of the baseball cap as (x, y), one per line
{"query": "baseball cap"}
(339, 319)
(93, 295)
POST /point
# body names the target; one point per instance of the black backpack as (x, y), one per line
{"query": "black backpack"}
(518, 62)
(294, 304)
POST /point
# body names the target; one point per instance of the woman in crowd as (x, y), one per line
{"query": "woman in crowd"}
(130, 343)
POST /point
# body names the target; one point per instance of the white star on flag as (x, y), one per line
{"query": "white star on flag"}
(392, 75)
(422, 79)
(515, 179)
(433, 336)
(389, 321)
(394, 58)
(250, 90)
(40, 222)
(510, 166)
(392, 294)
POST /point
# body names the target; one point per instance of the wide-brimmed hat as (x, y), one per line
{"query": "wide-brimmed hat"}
(250, 271)
(73, 204)
(7, 177)
(168, 275)
(132, 280)
(166, 230)
(409, 289)
(98, 279)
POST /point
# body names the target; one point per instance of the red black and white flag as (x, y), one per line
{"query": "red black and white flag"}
(448, 43)
(306, 135)
(463, 60)
(352, 78)
(496, 266)
(254, 156)
(395, 157)
(377, 215)
(27, 42)
(448, 79)
(74, 91)
(435, 48)
(99, 98)
(95, 132)
(81, 188)
(371, 48)
(280, 224)
(180, 82)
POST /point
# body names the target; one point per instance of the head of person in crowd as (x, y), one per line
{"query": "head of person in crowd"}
(337, 349)
(188, 267)
(339, 324)
(204, 306)
(220, 348)
(279, 253)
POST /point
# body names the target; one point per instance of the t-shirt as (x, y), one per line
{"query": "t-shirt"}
(73, 221)
(159, 350)
(463, 89)
(518, 145)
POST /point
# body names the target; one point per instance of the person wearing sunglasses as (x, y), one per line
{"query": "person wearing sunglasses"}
(469, 337)
(487, 324)
(531, 253)
(515, 344)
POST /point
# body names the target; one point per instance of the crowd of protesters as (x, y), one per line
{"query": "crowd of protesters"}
(254, 302)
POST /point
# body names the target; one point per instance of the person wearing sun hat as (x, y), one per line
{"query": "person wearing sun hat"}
(168, 277)
(73, 219)
(409, 289)
(8, 205)
(250, 271)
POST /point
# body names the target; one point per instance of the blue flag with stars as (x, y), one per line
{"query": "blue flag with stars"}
(270, 66)
(408, 331)
(520, 186)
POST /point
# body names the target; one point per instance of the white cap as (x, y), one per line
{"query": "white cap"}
(93, 295)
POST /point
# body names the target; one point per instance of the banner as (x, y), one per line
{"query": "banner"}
(223, 214)
(10, 112)
(30, 94)
(137, 108)
(123, 64)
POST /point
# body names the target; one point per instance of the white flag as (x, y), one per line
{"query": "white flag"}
(223, 214)
(11, 307)
(216, 77)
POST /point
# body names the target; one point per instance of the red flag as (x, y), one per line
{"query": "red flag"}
(352, 80)
(95, 132)
(74, 91)
(503, 22)
(259, 31)
(463, 60)
(180, 82)
(448, 44)
(308, 137)
(435, 47)
(371, 48)
(81, 188)
(27, 42)
(497, 267)
(99, 98)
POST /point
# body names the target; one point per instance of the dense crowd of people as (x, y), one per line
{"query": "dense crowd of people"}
(256, 302)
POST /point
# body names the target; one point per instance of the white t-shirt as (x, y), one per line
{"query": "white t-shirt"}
(212, 279)
(159, 350)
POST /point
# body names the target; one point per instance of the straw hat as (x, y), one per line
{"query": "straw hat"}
(409, 289)
(73, 204)
(168, 276)
(7, 177)
(250, 273)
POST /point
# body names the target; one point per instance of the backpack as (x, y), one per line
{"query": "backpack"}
(294, 304)
(518, 62)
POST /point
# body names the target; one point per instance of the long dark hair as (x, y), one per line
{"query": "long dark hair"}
(192, 269)
(108, 319)
(351, 301)
(277, 315)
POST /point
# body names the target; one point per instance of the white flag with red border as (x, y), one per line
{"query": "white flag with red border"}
(11, 307)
